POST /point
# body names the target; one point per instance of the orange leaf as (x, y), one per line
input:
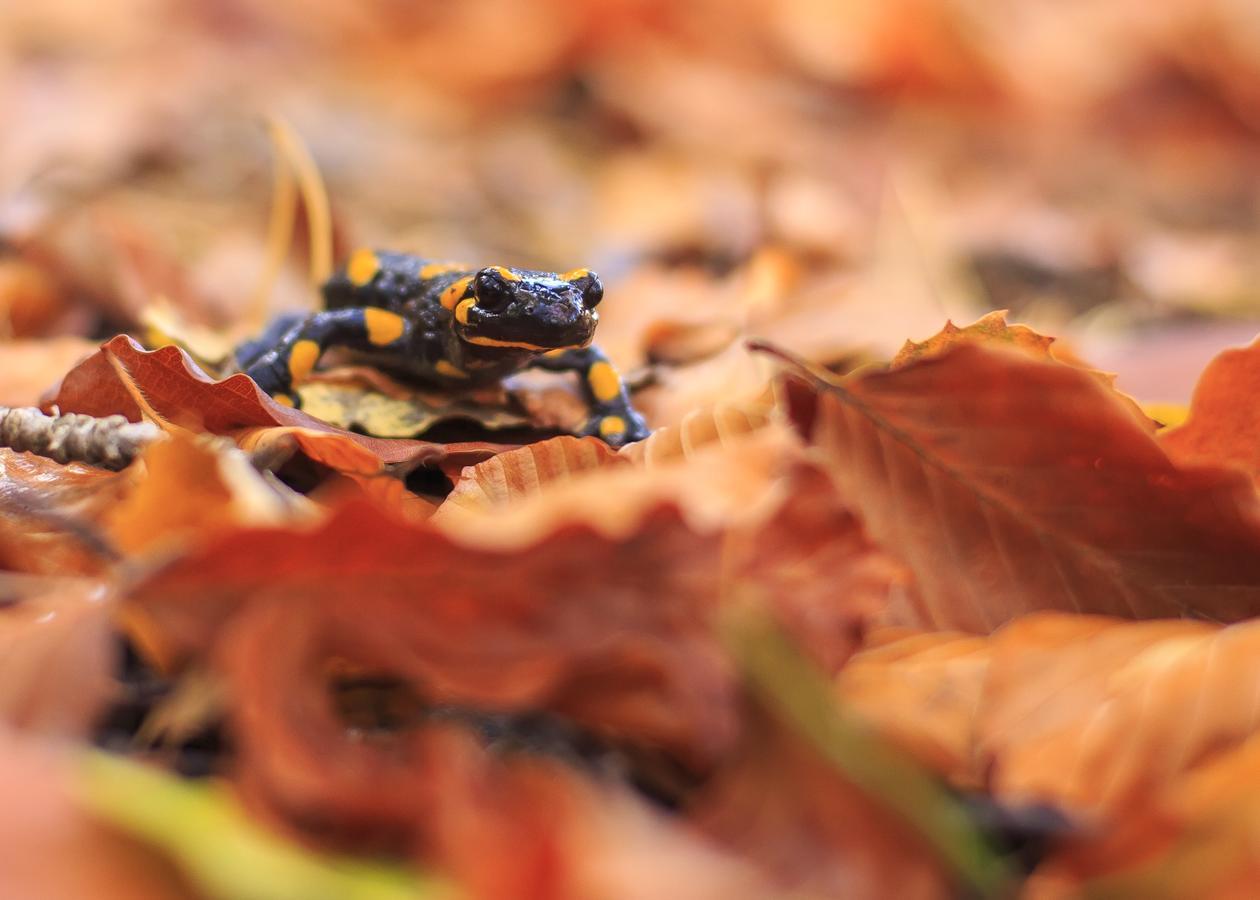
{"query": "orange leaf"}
(1223, 428)
(1008, 485)
(56, 654)
(989, 329)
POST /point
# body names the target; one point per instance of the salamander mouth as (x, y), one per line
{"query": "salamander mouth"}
(494, 331)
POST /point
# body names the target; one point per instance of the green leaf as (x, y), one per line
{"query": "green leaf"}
(225, 853)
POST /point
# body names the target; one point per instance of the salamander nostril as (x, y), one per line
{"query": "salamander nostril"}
(492, 290)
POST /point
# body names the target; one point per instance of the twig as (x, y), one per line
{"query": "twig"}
(111, 442)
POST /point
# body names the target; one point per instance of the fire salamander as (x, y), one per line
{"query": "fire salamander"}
(452, 325)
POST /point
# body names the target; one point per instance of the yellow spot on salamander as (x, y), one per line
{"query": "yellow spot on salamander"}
(461, 311)
(575, 274)
(302, 359)
(610, 425)
(444, 368)
(362, 267)
(508, 274)
(383, 326)
(432, 270)
(283, 399)
(456, 292)
(604, 381)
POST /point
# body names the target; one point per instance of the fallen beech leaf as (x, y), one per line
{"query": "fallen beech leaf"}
(1194, 837)
(56, 654)
(714, 489)
(351, 406)
(1008, 485)
(990, 328)
(30, 368)
(1069, 717)
(181, 393)
(49, 511)
(521, 473)
(571, 623)
(191, 489)
(1222, 427)
(52, 848)
(721, 423)
(922, 691)
(815, 567)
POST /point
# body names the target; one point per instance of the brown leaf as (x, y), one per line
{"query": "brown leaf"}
(1008, 485)
(1223, 428)
(56, 654)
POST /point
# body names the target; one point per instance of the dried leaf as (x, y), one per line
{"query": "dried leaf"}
(989, 329)
(191, 490)
(56, 654)
(570, 622)
(1008, 485)
(922, 691)
(1192, 838)
(179, 391)
(352, 406)
(49, 511)
(1222, 428)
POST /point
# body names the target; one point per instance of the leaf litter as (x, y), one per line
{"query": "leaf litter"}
(852, 622)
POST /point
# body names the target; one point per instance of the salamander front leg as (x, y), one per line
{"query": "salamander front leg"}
(288, 363)
(612, 417)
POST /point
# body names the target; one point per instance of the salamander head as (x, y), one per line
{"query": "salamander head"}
(501, 307)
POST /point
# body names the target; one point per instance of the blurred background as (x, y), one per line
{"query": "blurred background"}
(833, 175)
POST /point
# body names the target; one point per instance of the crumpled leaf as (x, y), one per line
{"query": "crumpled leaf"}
(181, 393)
(1008, 485)
(52, 848)
(56, 654)
(1222, 427)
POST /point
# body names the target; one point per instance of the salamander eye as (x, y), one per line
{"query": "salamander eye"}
(592, 289)
(492, 290)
